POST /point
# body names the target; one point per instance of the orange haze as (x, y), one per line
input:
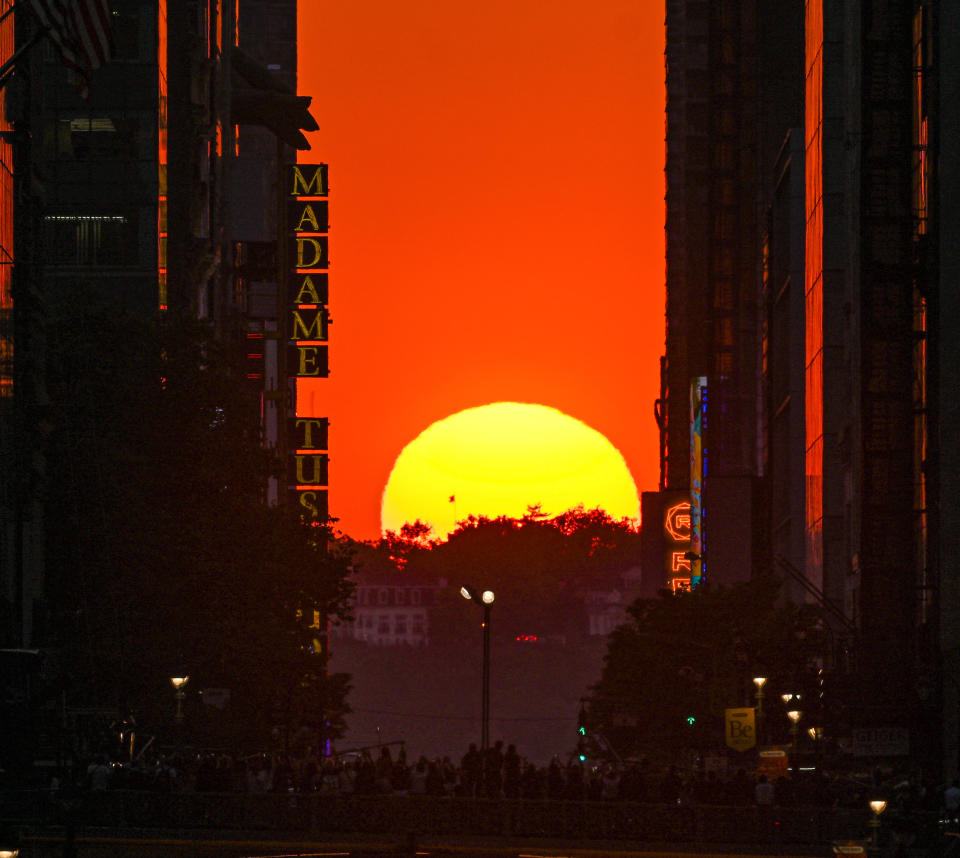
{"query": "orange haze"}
(496, 210)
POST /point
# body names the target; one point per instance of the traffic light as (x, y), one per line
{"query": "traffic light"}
(691, 720)
(581, 735)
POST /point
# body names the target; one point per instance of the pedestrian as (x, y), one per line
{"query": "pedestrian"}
(470, 770)
(511, 773)
(764, 792)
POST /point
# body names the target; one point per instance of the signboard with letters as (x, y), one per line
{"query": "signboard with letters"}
(676, 539)
(739, 727)
(308, 318)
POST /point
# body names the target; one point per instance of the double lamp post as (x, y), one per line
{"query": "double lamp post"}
(484, 600)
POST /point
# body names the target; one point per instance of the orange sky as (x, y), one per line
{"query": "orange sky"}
(496, 211)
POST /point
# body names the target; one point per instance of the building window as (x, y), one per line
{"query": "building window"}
(400, 596)
(91, 138)
(383, 624)
(383, 596)
(400, 625)
(74, 239)
(415, 597)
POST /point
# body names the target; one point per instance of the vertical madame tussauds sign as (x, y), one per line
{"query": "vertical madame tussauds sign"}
(308, 318)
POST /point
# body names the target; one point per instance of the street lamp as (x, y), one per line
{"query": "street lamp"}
(878, 806)
(178, 682)
(485, 601)
(794, 715)
(759, 681)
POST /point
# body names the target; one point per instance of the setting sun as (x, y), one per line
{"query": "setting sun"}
(498, 459)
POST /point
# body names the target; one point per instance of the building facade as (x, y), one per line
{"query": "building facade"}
(127, 195)
(840, 308)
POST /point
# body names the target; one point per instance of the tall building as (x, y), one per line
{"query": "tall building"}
(943, 404)
(733, 91)
(843, 332)
(870, 320)
(128, 193)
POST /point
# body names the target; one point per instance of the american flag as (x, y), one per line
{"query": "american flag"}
(81, 31)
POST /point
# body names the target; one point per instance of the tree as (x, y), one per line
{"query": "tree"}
(162, 556)
(693, 654)
(540, 569)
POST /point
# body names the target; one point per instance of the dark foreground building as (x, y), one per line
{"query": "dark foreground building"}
(156, 190)
(811, 204)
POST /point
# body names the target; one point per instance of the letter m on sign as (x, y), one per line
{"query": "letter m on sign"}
(308, 180)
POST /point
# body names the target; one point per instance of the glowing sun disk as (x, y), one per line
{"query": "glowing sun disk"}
(498, 459)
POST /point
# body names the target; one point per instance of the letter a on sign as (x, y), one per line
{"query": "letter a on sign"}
(740, 728)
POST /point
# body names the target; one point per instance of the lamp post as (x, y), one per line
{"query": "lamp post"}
(759, 681)
(878, 806)
(794, 715)
(178, 682)
(485, 601)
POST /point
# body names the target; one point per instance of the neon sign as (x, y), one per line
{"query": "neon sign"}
(677, 522)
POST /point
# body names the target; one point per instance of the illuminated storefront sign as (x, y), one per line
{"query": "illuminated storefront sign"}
(698, 411)
(307, 289)
(676, 539)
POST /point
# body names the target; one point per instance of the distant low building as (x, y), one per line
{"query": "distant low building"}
(607, 609)
(388, 614)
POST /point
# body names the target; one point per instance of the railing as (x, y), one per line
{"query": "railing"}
(318, 815)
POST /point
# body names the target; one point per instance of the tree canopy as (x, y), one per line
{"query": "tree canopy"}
(162, 556)
(540, 568)
(690, 655)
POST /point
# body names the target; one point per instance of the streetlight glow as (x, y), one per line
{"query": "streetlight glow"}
(878, 806)
(759, 681)
(487, 597)
(465, 592)
(179, 681)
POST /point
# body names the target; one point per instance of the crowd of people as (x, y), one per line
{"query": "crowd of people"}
(500, 772)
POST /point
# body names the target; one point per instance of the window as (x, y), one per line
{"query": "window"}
(383, 596)
(383, 624)
(400, 625)
(85, 239)
(400, 596)
(91, 138)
